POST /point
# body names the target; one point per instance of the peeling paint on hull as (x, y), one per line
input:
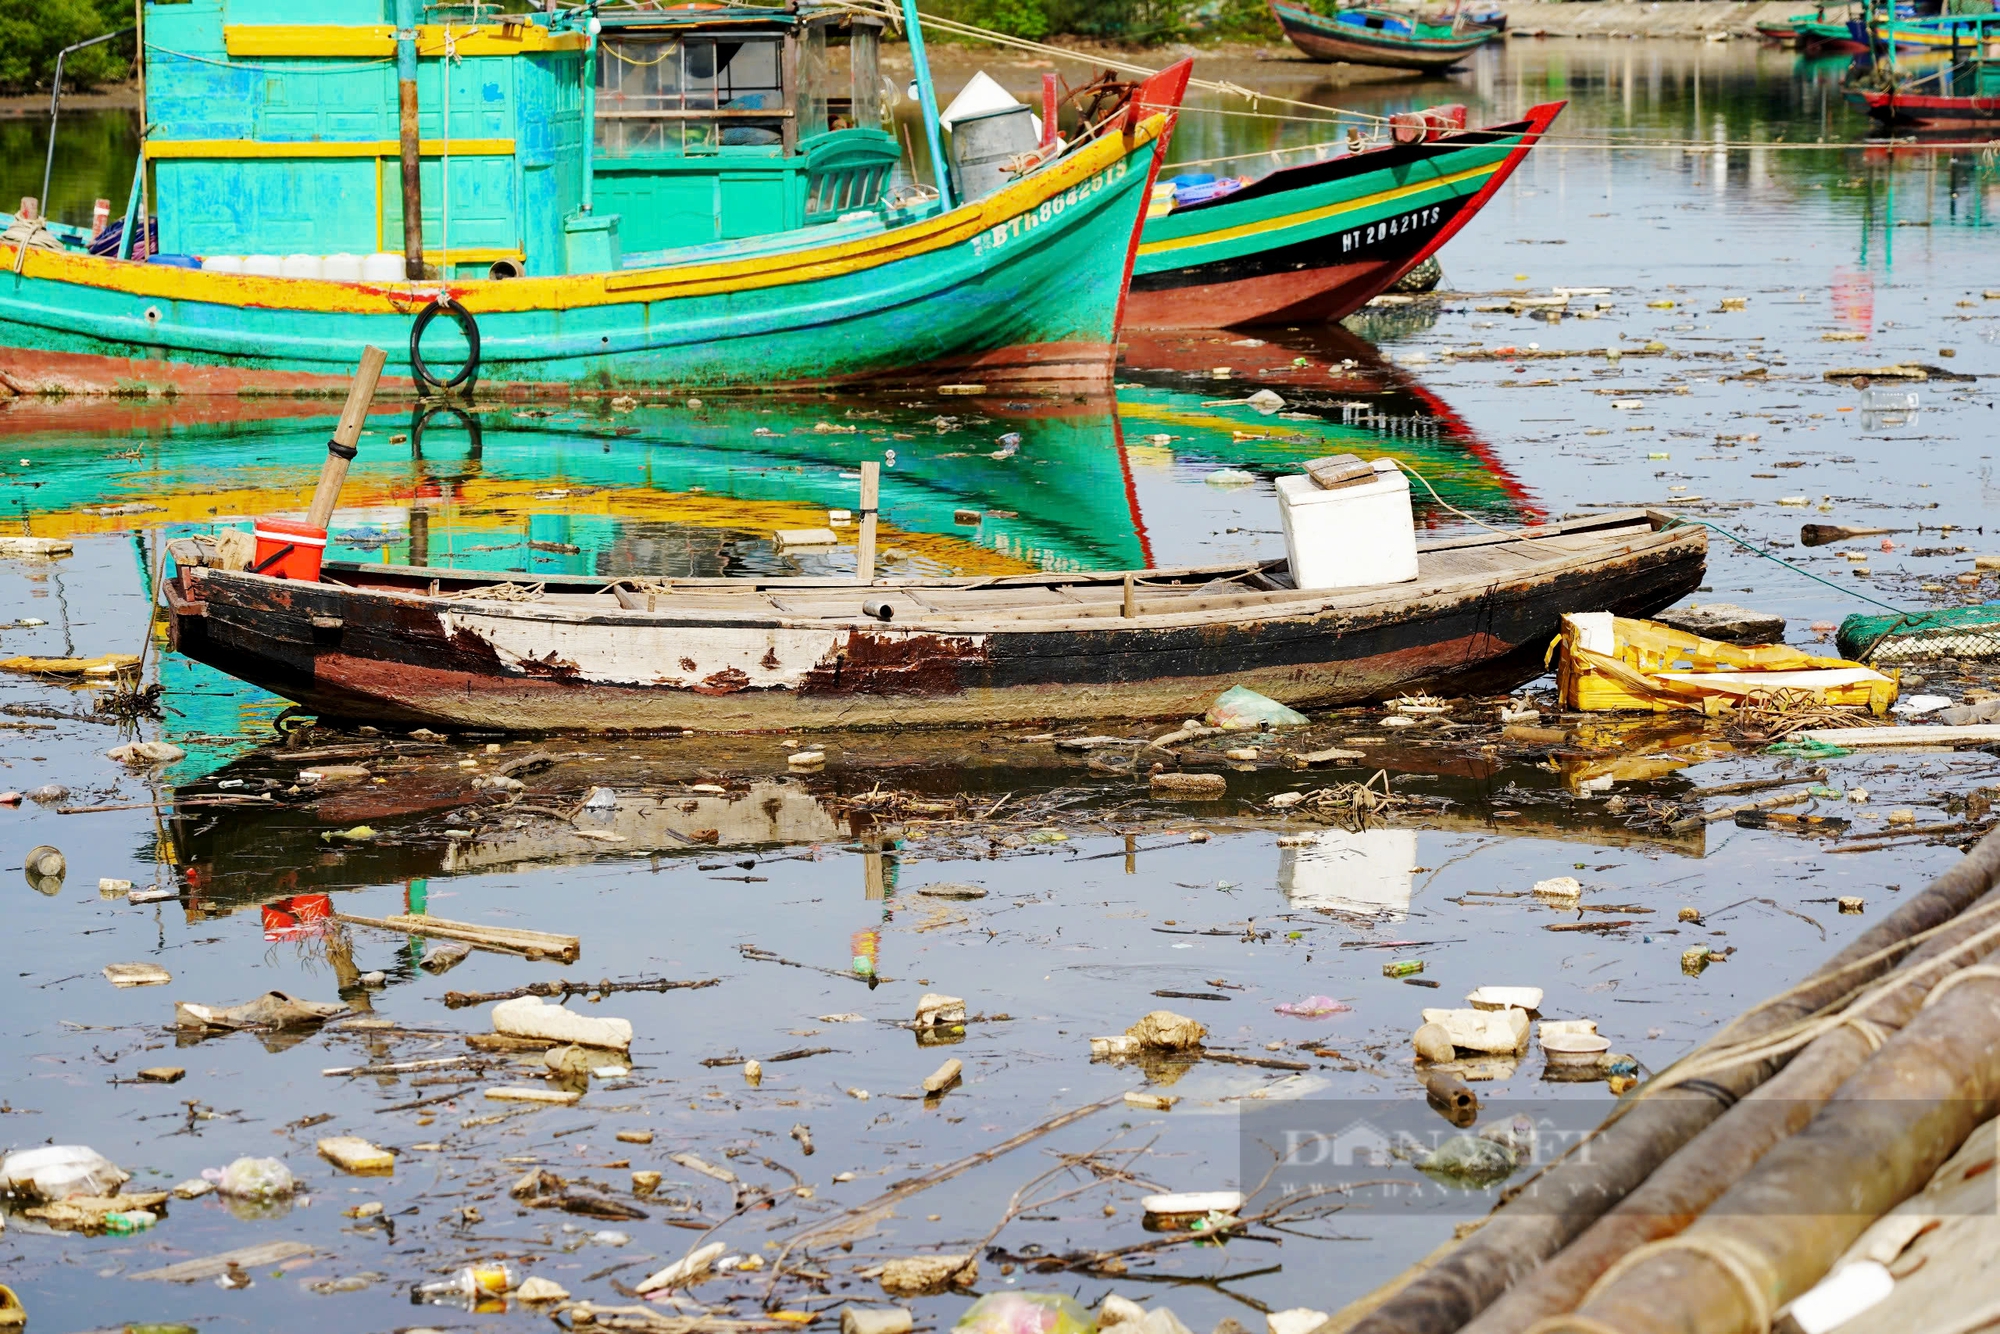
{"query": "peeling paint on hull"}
(405, 659)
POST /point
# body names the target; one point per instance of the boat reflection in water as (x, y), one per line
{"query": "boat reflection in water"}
(978, 485)
(1363, 873)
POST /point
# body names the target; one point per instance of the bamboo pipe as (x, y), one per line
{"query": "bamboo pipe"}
(341, 450)
(871, 491)
(1779, 1229)
(1687, 1183)
(409, 145)
(1526, 1230)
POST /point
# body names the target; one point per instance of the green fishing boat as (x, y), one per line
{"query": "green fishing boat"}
(1372, 35)
(574, 200)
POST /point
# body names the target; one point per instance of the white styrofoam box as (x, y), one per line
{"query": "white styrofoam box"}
(1350, 537)
(223, 264)
(300, 266)
(1367, 873)
(341, 268)
(261, 266)
(382, 268)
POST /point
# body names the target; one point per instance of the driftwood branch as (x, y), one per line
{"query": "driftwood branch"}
(458, 1000)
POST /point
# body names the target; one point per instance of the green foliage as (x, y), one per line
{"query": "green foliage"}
(1016, 18)
(1141, 22)
(33, 31)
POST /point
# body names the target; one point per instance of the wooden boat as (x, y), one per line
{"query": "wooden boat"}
(1316, 241)
(1368, 35)
(730, 223)
(1962, 97)
(1829, 36)
(408, 645)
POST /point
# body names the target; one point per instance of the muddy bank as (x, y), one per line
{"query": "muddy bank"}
(1618, 18)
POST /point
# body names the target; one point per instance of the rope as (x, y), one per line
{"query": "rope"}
(1103, 62)
(1757, 550)
(1962, 975)
(1733, 1258)
(1871, 1032)
(271, 69)
(1508, 533)
(673, 49)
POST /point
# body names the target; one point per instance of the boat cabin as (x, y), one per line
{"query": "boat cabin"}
(551, 142)
(720, 122)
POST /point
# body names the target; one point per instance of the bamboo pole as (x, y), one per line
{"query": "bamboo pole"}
(340, 450)
(1709, 1164)
(409, 149)
(1780, 1227)
(871, 490)
(1529, 1228)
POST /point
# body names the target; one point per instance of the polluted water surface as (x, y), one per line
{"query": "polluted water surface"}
(768, 968)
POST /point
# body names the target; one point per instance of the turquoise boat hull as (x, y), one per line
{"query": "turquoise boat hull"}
(1023, 286)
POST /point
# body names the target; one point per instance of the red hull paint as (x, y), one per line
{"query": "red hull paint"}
(1920, 112)
(1315, 295)
(28, 372)
(1328, 294)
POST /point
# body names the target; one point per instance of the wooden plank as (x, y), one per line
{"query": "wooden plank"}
(214, 1266)
(1876, 738)
(504, 940)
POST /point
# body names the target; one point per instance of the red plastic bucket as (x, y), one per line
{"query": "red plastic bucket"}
(288, 549)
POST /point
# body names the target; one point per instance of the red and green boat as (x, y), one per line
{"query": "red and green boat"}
(1371, 35)
(1316, 241)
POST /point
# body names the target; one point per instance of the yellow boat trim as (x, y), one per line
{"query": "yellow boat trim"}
(1312, 215)
(379, 39)
(212, 149)
(486, 296)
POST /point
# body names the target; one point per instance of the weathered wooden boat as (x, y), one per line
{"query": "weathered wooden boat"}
(1370, 35)
(724, 216)
(1318, 240)
(409, 645)
(1959, 98)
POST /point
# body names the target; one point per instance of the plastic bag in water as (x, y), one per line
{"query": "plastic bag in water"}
(1025, 1313)
(59, 1170)
(1241, 709)
(255, 1179)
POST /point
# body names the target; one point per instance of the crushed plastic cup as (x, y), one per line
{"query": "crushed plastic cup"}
(1025, 1313)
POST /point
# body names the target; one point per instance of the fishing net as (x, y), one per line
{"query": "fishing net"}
(1922, 636)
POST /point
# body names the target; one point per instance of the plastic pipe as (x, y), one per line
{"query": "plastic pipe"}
(927, 100)
(593, 26)
(55, 106)
(132, 203)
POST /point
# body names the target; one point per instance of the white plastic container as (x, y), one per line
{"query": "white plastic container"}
(223, 264)
(1352, 536)
(341, 268)
(261, 266)
(382, 268)
(300, 266)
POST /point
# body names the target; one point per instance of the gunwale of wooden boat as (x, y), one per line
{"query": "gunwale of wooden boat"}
(1189, 596)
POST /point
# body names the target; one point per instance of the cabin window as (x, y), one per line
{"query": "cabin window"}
(683, 95)
(812, 80)
(864, 67)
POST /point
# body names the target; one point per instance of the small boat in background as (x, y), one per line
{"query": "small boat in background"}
(1374, 35)
(1318, 240)
(1962, 98)
(1821, 32)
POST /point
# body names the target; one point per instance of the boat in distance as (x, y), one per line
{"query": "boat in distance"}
(407, 645)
